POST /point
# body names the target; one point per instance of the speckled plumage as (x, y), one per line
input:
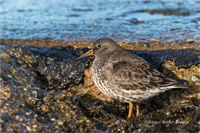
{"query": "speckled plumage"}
(125, 76)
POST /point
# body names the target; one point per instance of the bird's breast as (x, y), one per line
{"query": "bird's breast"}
(99, 78)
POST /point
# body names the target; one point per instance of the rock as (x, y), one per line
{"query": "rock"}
(181, 57)
(195, 79)
(58, 65)
(27, 105)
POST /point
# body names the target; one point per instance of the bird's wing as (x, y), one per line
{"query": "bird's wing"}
(138, 76)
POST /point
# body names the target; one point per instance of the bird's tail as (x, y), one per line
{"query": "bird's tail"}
(181, 84)
(172, 83)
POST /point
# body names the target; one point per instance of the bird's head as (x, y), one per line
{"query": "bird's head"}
(102, 47)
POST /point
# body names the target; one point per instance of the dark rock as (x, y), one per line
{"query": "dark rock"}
(59, 67)
(56, 64)
(135, 21)
(196, 20)
(27, 107)
(181, 57)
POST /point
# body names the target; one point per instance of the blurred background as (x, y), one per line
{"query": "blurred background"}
(88, 20)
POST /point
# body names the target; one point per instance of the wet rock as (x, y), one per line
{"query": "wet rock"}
(135, 21)
(58, 65)
(181, 57)
(178, 12)
(27, 106)
(196, 20)
(177, 63)
(17, 95)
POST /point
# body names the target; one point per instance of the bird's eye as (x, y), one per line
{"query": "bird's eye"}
(99, 45)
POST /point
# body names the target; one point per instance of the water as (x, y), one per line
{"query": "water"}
(74, 20)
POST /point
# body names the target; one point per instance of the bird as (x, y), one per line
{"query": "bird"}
(125, 76)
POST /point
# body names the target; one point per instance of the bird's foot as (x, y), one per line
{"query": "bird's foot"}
(128, 121)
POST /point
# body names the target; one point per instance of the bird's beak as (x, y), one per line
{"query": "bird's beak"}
(86, 54)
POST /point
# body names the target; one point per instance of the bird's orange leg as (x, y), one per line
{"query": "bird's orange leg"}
(137, 109)
(130, 110)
